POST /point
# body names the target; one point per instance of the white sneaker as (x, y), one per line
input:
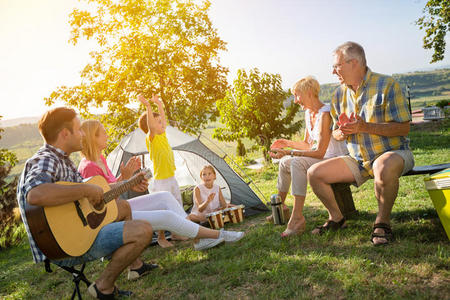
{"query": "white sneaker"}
(204, 244)
(231, 236)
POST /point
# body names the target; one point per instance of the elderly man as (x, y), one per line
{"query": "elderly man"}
(371, 114)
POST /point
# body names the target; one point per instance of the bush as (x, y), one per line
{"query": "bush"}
(10, 230)
(443, 103)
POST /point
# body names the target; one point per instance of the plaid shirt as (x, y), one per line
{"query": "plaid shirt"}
(48, 165)
(379, 99)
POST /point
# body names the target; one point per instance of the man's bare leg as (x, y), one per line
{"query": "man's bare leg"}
(124, 214)
(321, 176)
(137, 235)
(387, 169)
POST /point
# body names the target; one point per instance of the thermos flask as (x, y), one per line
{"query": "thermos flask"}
(277, 209)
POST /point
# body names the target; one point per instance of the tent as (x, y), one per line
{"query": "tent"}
(190, 155)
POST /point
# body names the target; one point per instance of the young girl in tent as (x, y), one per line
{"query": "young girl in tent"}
(207, 196)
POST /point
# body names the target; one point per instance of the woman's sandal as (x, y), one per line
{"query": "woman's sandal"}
(330, 225)
(289, 232)
(387, 234)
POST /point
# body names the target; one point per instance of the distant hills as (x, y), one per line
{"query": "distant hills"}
(18, 121)
(19, 134)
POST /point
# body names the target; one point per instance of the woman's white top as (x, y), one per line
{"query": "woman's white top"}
(335, 148)
(204, 193)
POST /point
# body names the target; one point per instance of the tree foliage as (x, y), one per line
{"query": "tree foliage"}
(8, 221)
(7, 158)
(167, 47)
(436, 23)
(254, 108)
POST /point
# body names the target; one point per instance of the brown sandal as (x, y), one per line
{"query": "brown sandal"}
(331, 225)
(387, 235)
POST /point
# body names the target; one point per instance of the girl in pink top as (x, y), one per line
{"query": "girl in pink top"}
(88, 168)
(93, 162)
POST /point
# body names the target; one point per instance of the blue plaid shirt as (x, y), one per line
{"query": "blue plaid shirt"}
(48, 165)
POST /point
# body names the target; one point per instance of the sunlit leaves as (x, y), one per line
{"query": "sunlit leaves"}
(168, 47)
(436, 22)
(7, 158)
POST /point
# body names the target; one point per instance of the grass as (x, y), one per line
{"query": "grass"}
(337, 265)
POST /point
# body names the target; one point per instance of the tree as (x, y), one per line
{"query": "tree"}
(8, 221)
(254, 108)
(436, 23)
(167, 47)
(7, 158)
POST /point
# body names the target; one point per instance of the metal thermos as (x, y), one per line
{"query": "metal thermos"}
(277, 209)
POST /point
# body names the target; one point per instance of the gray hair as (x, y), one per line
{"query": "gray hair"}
(352, 50)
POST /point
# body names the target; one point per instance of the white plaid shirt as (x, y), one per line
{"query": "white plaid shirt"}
(48, 165)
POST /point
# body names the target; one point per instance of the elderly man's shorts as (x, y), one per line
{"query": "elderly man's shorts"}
(360, 178)
(109, 239)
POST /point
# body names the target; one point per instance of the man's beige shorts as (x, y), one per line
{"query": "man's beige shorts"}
(352, 164)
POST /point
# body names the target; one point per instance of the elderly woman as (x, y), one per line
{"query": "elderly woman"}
(317, 145)
(161, 209)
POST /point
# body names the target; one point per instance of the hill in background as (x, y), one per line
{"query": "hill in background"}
(18, 121)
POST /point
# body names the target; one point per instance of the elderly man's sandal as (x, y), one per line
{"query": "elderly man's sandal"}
(387, 234)
(330, 225)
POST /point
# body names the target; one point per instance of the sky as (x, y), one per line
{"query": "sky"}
(293, 38)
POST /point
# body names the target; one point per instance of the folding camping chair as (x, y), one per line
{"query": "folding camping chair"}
(77, 276)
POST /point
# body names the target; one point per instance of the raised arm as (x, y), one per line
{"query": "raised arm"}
(151, 120)
(162, 113)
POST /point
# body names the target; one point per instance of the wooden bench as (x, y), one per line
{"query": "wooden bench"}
(344, 197)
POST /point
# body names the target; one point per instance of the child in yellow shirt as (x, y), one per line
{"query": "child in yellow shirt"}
(161, 154)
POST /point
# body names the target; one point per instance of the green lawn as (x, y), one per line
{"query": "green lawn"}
(337, 265)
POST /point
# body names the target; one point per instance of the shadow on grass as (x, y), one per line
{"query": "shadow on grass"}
(421, 225)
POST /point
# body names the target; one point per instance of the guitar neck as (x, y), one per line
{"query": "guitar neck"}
(121, 188)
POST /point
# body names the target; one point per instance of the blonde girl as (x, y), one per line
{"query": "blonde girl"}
(207, 196)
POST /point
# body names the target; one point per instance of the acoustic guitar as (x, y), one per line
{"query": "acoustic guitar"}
(70, 229)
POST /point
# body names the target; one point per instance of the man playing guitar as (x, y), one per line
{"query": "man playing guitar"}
(124, 239)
